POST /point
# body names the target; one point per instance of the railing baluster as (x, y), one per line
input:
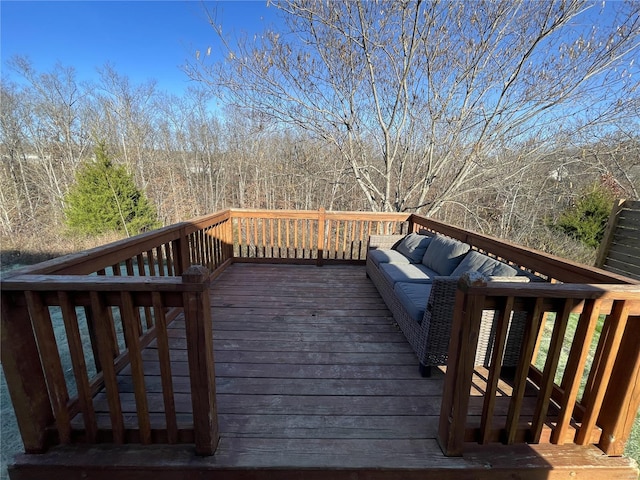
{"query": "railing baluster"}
(575, 368)
(106, 348)
(611, 343)
(54, 373)
(550, 367)
(152, 267)
(287, 239)
(132, 335)
(160, 255)
(494, 370)
(169, 252)
(78, 362)
(165, 368)
(534, 317)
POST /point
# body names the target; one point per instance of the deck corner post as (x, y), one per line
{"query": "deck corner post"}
(181, 251)
(199, 333)
(25, 376)
(467, 314)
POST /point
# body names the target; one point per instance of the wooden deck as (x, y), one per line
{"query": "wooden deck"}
(313, 380)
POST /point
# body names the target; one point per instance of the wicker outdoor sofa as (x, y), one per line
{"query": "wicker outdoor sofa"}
(422, 300)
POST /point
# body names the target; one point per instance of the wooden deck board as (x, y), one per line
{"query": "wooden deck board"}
(313, 379)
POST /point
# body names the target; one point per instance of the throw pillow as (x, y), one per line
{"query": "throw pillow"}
(487, 266)
(413, 246)
(444, 254)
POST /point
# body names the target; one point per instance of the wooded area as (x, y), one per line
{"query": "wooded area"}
(455, 112)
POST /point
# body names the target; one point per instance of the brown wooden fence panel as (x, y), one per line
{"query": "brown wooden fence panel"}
(620, 248)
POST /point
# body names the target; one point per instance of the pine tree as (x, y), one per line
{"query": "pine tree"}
(586, 221)
(105, 198)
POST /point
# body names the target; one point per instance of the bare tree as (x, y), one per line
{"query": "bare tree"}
(418, 96)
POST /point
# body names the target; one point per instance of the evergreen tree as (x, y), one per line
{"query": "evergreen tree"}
(586, 221)
(105, 198)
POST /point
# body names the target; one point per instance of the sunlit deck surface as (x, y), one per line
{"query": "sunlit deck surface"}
(313, 380)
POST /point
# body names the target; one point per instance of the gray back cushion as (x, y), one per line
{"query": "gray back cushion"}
(444, 254)
(413, 246)
(490, 267)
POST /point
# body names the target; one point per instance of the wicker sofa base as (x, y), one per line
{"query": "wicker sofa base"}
(430, 338)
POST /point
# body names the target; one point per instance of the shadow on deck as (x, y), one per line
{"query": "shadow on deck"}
(313, 380)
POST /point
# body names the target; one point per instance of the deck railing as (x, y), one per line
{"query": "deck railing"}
(108, 304)
(311, 236)
(114, 300)
(573, 404)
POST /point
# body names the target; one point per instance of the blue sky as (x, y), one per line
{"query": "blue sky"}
(142, 39)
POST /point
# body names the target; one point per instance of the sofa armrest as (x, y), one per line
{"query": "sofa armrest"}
(377, 242)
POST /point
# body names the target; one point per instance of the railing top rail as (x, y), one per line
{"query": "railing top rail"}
(555, 267)
(581, 291)
(81, 283)
(106, 255)
(312, 214)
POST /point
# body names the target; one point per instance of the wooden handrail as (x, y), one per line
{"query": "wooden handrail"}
(610, 398)
(551, 266)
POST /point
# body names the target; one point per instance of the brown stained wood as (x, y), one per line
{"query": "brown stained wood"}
(575, 368)
(319, 459)
(197, 312)
(554, 267)
(24, 375)
(494, 372)
(322, 215)
(609, 233)
(98, 258)
(610, 345)
(170, 254)
(455, 397)
(163, 356)
(160, 257)
(550, 367)
(529, 342)
(105, 349)
(304, 430)
(130, 325)
(621, 403)
(151, 262)
(80, 373)
(54, 374)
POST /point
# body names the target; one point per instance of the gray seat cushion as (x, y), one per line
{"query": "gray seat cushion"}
(414, 297)
(413, 246)
(413, 272)
(387, 256)
(490, 267)
(444, 254)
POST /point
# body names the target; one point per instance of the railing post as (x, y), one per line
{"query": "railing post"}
(229, 237)
(411, 226)
(467, 314)
(24, 375)
(180, 248)
(199, 332)
(321, 236)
